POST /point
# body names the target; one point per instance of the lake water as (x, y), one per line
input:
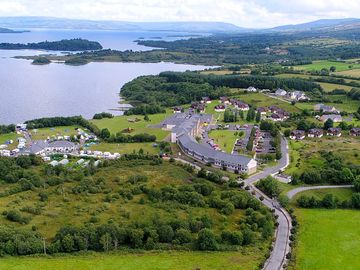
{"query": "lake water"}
(28, 91)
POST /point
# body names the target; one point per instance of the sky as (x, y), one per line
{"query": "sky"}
(244, 13)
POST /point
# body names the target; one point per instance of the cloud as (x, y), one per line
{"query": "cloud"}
(247, 13)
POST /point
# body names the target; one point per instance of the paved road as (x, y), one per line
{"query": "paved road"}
(281, 245)
(295, 191)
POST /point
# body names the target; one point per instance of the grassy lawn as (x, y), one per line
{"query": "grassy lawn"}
(327, 240)
(125, 148)
(225, 139)
(352, 73)
(120, 123)
(261, 100)
(318, 65)
(44, 133)
(9, 136)
(247, 260)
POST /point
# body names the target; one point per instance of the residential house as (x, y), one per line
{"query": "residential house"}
(206, 100)
(326, 109)
(334, 132)
(334, 117)
(177, 109)
(280, 92)
(297, 135)
(355, 132)
(297, 95)
(219, 108)
(225, 100)
(315, 133)
(251, 89)
(262, 110)
(241, 106)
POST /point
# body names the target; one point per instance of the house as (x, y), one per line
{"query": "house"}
(280, 92)
(297, 135)
(199, 107)
(315, 133)
(177, 109)
(63, 162)
(241, 106)
(21, 126)
(278, 117)
(334, 132)
(325, 109)
(261, 110)
(251, 89)
(219, 108)
(206, 100)
(355, 132)
(225, 100)
(54, 163)
(334, 117)
(297, 95)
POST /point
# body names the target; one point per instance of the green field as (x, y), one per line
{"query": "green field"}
(327, 240)
(328, 87)
(249, 259)
(44, 133)
(318, 65)
(9, 136)
(120, 123)
(126, 148)
(347, 105)
(225, 139)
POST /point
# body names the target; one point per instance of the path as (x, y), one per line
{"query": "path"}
(281, 245)
(295, 191)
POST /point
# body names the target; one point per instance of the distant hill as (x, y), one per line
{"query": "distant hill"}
(321, 25)
(60, 23)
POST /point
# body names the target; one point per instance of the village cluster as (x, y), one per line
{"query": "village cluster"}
(55, 145)
(318, 133)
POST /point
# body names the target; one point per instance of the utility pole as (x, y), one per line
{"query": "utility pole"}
(44, 245)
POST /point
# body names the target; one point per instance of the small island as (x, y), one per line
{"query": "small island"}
(41, 60)
(9, 31)
(62, 45)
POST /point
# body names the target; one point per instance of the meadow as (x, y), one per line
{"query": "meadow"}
(305, 155)
(248, 259)
(7, 137)
(125, 148)
(44, 133)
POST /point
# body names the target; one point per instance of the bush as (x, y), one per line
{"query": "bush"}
(207, 240)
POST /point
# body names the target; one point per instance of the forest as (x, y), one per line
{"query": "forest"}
(77, 44)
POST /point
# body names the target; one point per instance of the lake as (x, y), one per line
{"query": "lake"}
(29, 91)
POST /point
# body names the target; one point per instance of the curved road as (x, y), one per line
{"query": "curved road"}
(295, 191)
(281, 245)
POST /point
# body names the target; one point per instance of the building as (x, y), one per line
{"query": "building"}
(280, 92)
(241, 106)
(225, 100)
(334, 132)
(355, 132)
(297, 135)
(297, 95)
(198, 107)
(278, 117)
(261, 110)
(251, 89)
(186, 127)
(42, 147)
(206, 100)
(177, 109)
(326, 109)
(315, 133)
(334, 117)
(219, 108)
(220, 159)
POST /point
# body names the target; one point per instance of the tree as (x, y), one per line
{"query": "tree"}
(269, 186)
(207, 240)
(258, 117)
(105, 241)
(166, 234)
(328, 124)
(104, 133)
(332, 68)
(183, 236)
(146, 118)
(357, 184)
(68, 243)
